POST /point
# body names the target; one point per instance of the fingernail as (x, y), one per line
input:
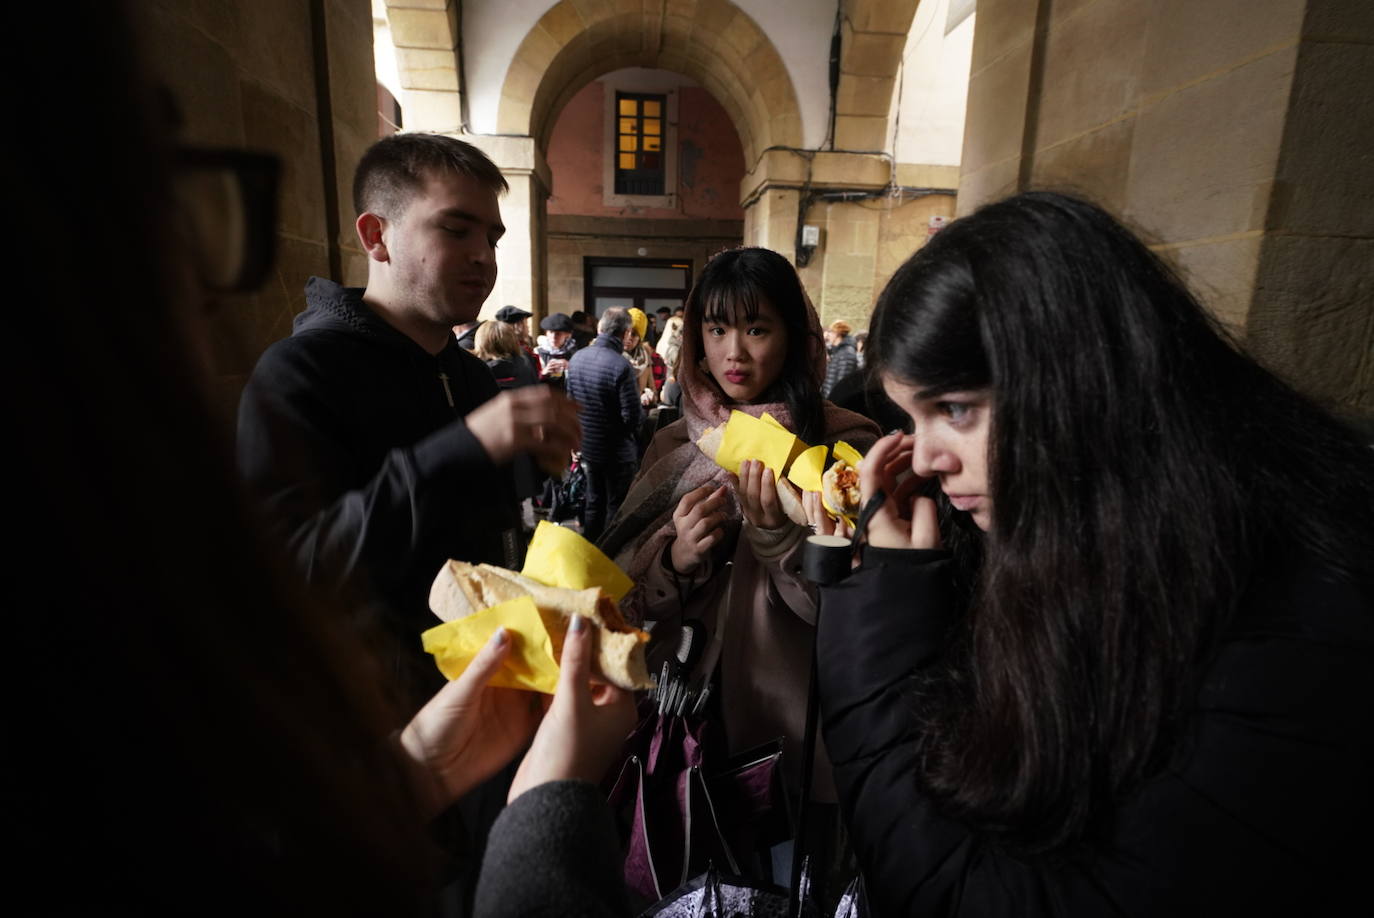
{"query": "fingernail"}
(577, 624)
(499, 637)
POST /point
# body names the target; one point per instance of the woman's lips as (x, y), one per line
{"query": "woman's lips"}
(965, 502)
(736, 376)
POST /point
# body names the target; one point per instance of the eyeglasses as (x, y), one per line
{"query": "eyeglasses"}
(228, 199)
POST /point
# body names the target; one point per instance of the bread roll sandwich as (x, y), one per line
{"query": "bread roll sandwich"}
(461, 589)
(788, 495)
(840, 489)
(710, 440)
(790, 499)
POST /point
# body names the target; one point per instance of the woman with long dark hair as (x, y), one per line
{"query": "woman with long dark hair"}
(1120, 662)
(193, 733)
(751, 342)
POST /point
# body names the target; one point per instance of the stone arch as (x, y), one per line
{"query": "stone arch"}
(712, 41)
(872, 39)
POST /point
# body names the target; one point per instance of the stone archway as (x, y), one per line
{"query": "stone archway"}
(712, 41)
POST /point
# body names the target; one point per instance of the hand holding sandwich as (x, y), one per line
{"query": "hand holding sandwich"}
(585, 726)
(906, 519)
(469, 730)
(758, 496)
(820, 519)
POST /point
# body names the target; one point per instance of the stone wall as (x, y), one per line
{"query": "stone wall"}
(291, 77)
(862, 243)
(1312, 314)
(1227, 132)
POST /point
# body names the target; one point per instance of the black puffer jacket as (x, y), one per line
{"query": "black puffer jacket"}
(1264, 808)
(602, 381)
(351, 436)
(843, 360)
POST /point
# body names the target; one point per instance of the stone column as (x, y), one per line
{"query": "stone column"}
(1312, 314)
(865, 231)
(1226, 131)
(522, 257)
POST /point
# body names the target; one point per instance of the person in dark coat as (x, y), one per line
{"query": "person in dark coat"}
(466, 334)
(498, 346)
(861, 393)
(1111, 647)
(518, 319)
(584, 329)
(363, 433)
(603, 383)
(842, 359)
(559, 347)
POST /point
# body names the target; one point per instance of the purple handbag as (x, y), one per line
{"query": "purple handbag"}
(681, 811)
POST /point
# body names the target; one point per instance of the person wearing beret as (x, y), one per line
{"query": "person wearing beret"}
(559, 347)
(514, 315)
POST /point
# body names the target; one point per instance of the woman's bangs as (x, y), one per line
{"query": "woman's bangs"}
(731, 304)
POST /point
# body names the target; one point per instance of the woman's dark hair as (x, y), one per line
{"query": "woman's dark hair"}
(193, 732)
(730, 288)
(1142, 470)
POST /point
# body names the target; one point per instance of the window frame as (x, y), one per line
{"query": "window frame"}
(641, 137)
(611, 134)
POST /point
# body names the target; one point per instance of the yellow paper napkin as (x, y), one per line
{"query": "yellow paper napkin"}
(560, 557)
(807, 468)
(531, 664)
(848, 453)
(748, 437)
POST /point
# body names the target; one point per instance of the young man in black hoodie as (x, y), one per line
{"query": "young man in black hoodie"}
(377, 446)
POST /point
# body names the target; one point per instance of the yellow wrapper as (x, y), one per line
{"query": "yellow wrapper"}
(807, 469)
(798, 446)
(849, 454)
(530, 665)
(559, 557)
(748, 437)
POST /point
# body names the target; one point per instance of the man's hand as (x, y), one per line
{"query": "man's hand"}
(468, 730)
(698, 520)
(758, 496)
(585, 727)
(905, 520)
(538, 420)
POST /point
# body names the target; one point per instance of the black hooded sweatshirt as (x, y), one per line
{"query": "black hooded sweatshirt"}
(351, 437)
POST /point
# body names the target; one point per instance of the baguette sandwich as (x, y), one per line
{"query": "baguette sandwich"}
(461, 589)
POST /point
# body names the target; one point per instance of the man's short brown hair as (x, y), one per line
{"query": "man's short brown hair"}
(395, 168)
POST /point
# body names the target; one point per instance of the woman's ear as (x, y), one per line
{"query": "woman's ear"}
(370, 229)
